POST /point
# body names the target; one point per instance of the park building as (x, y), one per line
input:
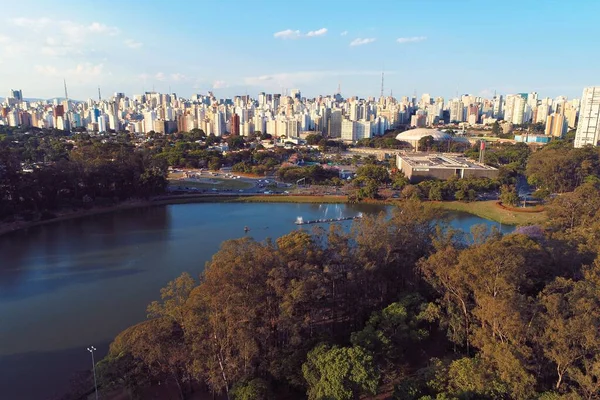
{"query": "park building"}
(423, 166)
(413, 136)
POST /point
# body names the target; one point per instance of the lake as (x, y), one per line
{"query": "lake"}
(67, 285)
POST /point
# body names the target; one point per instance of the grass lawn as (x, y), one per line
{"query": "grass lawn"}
(203, 198)
(219, 183)
(484, 209)
(489, 210)
(292, 199)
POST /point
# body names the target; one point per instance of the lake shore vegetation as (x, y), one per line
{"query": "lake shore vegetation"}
(398, 308)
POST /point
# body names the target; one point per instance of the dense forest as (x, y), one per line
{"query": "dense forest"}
(401, 306)
(44, 173)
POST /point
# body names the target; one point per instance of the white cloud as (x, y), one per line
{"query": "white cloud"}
(86, 70)
(287, 34)
(14, 49)
(344, 33)
(132, 44)
(97, 27)
(413, 39)
(296, 34)
(37, 24)
(159, 76)
(46, 70)
(4, 39)
(361, 41)
(60, 50)
(318, 32)
(291, 79)
(178, 77)
(71, 29)
(486, 93)
(68, 37)
(219, 84)
(81, 71)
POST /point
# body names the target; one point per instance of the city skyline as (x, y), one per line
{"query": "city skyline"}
(443, 48)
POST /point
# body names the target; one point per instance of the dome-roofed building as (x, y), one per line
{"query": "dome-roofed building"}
(413, 136)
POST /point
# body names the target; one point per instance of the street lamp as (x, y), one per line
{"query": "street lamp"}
(91, 349)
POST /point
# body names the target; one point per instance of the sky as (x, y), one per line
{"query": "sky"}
(234, 47)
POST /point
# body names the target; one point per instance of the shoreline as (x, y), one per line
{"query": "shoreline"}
(508, 219)
(9, 227)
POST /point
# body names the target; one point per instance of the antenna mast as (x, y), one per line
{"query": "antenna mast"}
(381, 93)
(66, 94)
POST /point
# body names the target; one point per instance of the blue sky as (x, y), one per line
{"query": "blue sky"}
(233, 47)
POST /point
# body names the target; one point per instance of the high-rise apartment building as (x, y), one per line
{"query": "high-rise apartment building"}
(347, 133)
(218, 124)
(571, 116)
(543, 109)
(235, 124)
(588, 127)
(556, 125)
(498, 110)
(516, 108)
(456, 110)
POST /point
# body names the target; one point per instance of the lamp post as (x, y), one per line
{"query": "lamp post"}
(91, 349)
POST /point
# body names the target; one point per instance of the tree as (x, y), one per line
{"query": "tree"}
(399, 180)
(235, 142)
(215, 164)
(389, 333)
(123, 370)
(159, 345)
(411, 192)
(174, 296)
(211, 139)
(228, 315)
(370, 189)
(559, 168)
(255, 389)
(509, 196)
(578, 208)
(313, 139)
(341, 373)
(570, 336)
(426, 143)
(435, 193)
(496, 129)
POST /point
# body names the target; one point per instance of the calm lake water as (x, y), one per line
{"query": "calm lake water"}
(71, 284)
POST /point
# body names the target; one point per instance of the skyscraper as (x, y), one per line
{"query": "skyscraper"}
(588, 127)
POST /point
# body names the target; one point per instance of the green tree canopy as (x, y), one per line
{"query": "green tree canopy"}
(341, 373)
